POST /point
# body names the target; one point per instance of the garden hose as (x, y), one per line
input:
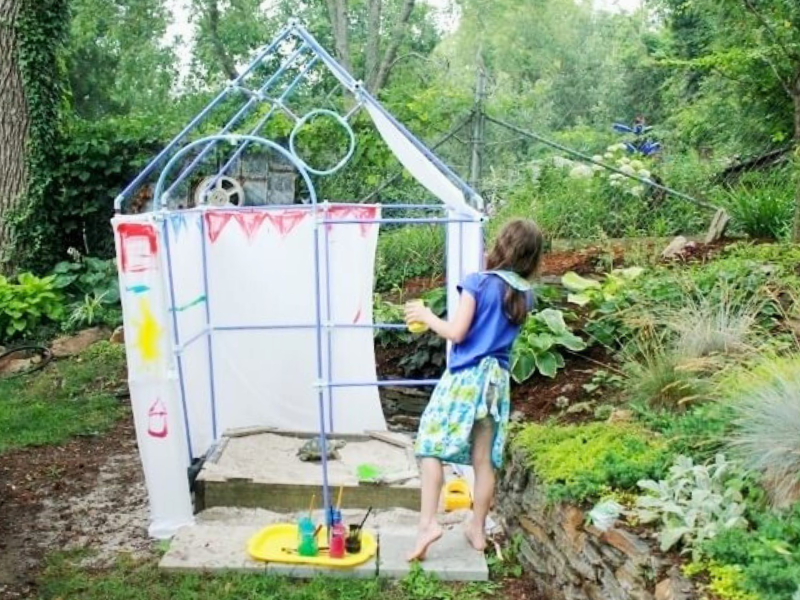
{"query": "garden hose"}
(43, 351)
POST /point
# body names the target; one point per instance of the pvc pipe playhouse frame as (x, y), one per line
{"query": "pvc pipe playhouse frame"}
(169, 394)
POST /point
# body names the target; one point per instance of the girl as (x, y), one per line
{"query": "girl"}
(466, 419)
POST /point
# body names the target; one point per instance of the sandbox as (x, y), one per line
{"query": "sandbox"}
(260, 468)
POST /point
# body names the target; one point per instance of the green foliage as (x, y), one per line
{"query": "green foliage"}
(96, 161)
(407, 253)
(767, 405)
(92, 286)
(767, 555)
(27, 304)
(66, 399)
(605, 300)
(129, 579)
(537, 346)
(660, 377)
(762, 206)
(581, 462)
(700, 431)
(506, 564)
(692, 504)
(726, 582)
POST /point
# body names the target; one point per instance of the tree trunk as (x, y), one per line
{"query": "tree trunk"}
(225, 60)
(375, 84)
(13, 121)
(373, 39)
(338, 14)
(796, 100)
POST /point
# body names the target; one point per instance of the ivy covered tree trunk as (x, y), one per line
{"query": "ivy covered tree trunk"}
(13, 120)
(796, 99)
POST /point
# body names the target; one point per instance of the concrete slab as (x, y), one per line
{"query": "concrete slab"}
(218, 541)
(204, 548)
(450, 559)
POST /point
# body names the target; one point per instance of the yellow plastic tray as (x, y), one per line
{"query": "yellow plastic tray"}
(278, 543)
(456, 495)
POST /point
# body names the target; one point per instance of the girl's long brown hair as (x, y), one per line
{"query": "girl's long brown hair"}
(518, 248)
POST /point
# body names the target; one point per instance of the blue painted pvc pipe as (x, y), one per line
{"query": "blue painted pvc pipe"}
(148, 170)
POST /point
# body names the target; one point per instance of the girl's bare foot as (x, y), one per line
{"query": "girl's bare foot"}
(476, 536)
(425, 538)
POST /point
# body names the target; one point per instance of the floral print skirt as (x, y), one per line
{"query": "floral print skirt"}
(459, 400)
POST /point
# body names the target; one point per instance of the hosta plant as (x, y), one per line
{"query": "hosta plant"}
(692, 504)
(538, 345)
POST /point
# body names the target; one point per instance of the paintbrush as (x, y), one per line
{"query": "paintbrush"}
(364, 520)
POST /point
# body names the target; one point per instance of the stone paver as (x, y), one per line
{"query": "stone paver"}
(203, 548)
(214, 546)
(450, 559)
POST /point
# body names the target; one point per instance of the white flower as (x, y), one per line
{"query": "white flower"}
(637, 164)
(608, 156)
(644, 174)
(627, 169)
(637, 191)
(597, 158)
(625, 160)
(581, 172)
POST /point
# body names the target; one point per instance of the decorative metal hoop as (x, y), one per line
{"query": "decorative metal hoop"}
(291, 157)
(351, 140)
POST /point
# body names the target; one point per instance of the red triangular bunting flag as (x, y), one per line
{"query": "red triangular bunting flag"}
(286, 220)
(250, 222)
(216, 221)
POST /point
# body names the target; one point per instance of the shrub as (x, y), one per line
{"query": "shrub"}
(581, 462)
(28, 304)
(762, 204)
(692, 504)
(407, 253)
(537, 347)
(661, 378)
(766, 435)
(768, 555)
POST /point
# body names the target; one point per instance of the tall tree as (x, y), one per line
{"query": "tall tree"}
(13, 117)
(32, 35)
(117, 59)
(367, 36)
(751, 48)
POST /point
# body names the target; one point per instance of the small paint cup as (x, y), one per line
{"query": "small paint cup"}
(306, 538)
(416, 327)
(353, 542)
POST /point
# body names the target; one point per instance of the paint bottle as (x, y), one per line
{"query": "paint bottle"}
(306, 537)
(417, 327)
(337, 545)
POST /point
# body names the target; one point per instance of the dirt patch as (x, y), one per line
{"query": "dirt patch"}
(538, 398)
(88, 493)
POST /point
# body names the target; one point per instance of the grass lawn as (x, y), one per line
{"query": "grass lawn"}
(68, 398)
(130, 580)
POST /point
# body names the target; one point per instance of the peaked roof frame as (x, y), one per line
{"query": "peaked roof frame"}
(427, 168)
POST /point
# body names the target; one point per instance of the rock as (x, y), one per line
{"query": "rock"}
(674, 587)
(675, 247)
(66, 346)
(621, 416)
(118, 337)
(11, 366)
(572, 524)
(718, 226)
(627, 543)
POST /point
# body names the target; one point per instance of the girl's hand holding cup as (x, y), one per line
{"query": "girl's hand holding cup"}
(417, 316)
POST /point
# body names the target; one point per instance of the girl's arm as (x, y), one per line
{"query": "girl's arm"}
(454, 331)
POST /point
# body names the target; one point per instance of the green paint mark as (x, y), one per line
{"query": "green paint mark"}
(195, 302)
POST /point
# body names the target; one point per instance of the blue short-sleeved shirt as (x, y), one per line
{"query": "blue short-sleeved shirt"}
(491, 332)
